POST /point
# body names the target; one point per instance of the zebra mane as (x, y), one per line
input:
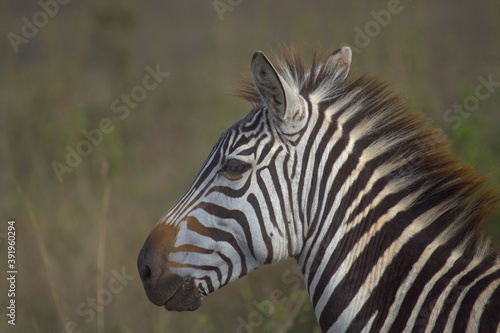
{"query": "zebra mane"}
(421, 153)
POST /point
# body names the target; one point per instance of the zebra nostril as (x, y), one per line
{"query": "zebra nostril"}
(145, 273)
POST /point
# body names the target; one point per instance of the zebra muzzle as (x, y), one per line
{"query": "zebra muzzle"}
(162, 287)
(186, 297)
(174, 292)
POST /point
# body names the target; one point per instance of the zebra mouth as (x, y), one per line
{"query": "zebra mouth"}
(182, 295)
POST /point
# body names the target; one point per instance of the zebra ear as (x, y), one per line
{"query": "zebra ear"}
(341, 60)
(273, 90)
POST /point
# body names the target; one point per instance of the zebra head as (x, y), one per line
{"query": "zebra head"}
(243, 209)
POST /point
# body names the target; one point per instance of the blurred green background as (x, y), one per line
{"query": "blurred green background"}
(74, 236)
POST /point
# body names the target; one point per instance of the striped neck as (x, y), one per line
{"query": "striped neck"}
(380, 196)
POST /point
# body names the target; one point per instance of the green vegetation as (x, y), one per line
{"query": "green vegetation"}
(74, 236)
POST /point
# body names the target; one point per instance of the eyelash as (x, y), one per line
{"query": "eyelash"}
(234, 169)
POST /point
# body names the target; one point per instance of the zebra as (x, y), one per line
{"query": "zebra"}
(335, 171)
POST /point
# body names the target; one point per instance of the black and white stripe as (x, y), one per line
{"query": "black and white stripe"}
(336, 172)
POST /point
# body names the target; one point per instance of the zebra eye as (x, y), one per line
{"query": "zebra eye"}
(234, 169)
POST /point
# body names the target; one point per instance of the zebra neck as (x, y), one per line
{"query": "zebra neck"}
(379, 195)
(371, 245)
(360, 235)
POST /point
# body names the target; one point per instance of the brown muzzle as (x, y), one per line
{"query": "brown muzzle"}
(162, 287)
